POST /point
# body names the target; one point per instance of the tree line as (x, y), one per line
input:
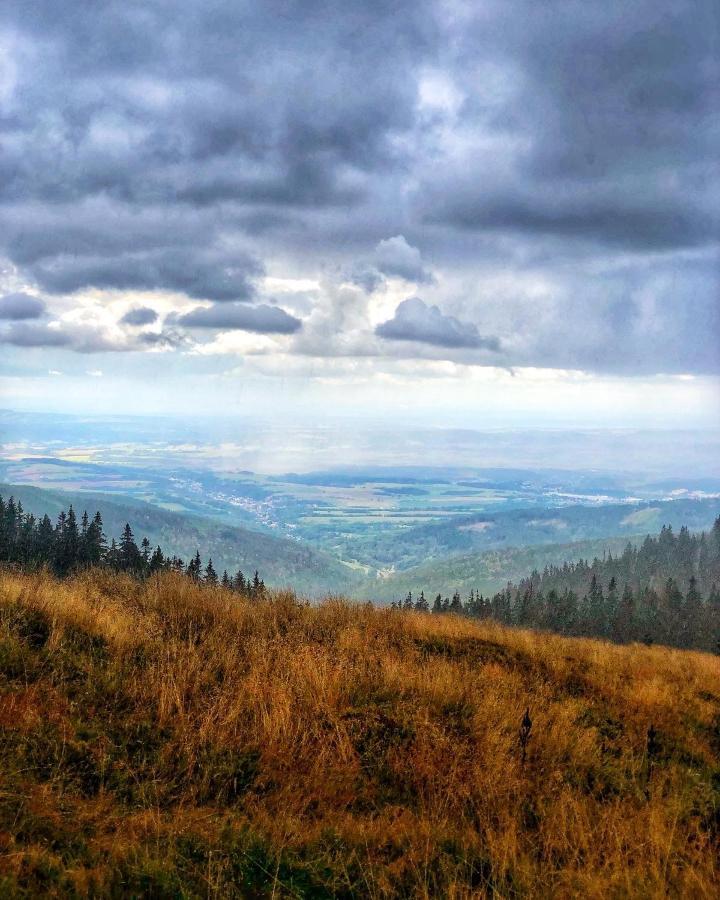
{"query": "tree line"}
(664, 591)
(69, 546)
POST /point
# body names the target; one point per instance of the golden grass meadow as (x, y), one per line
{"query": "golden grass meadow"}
(163, 738)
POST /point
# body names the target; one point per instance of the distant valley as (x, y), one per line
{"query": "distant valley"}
(364, 538)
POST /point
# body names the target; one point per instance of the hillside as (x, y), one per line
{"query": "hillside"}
(163, 738)
(664, 589)
(281, 560)
(535, 526)
(487, 571)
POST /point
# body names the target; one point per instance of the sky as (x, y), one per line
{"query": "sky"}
(485, 212)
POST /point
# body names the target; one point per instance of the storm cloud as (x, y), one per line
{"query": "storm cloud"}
(261, 319)
(546, 170)
(32, 335)
(21, 306)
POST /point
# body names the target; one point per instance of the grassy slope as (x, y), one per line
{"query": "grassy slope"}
(280, 561)
(489, 571)
(165, 739)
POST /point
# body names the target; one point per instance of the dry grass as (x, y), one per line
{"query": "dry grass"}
(164, 739)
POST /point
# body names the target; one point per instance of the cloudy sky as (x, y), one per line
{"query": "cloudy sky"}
(492, 211)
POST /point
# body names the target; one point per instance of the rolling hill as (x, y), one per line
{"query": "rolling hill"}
(535, 526)
(281, 561)
(487, 571)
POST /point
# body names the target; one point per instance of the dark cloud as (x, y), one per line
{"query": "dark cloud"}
(140, 315)
(261, 319)
(414, 320)
(79, 338)
(207, 119)
(606, 119)
(203, 276)
(21, 306)
(190, 149)
(25, 335)
(623, 221)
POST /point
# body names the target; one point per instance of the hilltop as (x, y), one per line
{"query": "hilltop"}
(167, 738)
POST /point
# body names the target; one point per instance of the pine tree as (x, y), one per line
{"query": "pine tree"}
(692, 615)
(611, 601)
(83, 559)
(596, 619)
(482, 606)
(129, 557)
(624, 622)
(8, 545)
(157, 561)
(210, 574)
(44, 541)
(256, 588)
(672, 612)
(72, 539)
(4, 537)
(95, 543)
(527, 609)
(194, 567)
(437, 605)
(113, 555)
(239, 583)
(713, 615)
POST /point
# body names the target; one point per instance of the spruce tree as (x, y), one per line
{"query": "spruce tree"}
(210, 574)
(239, 582)
(95, 543)
(44, 542)
(256, 589)
(611, 601)
(692, 624)
(129, 556)
(83, 559)
(72, 538)
(157, 561)
(194, 567)
(596, 623)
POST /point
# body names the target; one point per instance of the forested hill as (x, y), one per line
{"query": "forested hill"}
(665, 590)
(680, 557)
(281, 561)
